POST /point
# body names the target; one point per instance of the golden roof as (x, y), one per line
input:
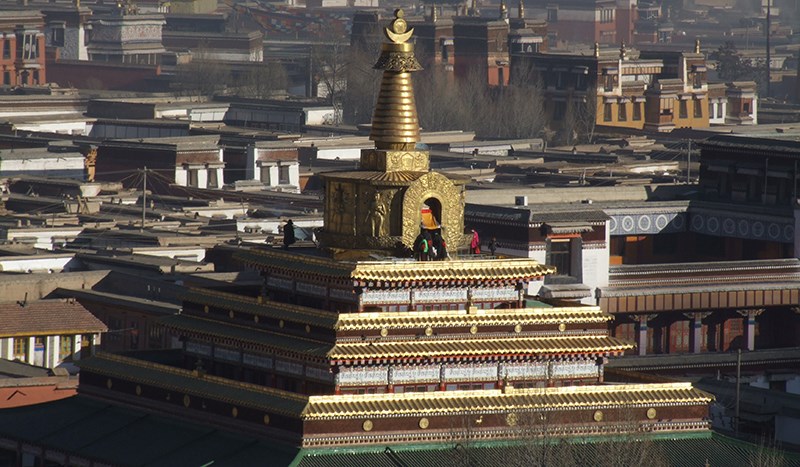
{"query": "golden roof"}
(494, 401)
(180, 381)
(488, 347)
(478, 346)
(479, 317)
(488, 269)
(397, 270)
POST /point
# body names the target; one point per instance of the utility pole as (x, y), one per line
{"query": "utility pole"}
(144, 197)
(769, 27)
(738, 385)
(689, 164)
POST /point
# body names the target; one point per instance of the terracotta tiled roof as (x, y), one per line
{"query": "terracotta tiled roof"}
(47, 317)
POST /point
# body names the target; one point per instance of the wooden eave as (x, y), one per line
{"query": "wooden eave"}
(267, 309)
(649, 300)
(248, 338)
(191, 383)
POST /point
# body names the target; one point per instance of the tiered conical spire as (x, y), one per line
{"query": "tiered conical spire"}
(395, 125)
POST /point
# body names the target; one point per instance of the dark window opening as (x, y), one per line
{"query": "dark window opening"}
(560, 256)
(637, 111)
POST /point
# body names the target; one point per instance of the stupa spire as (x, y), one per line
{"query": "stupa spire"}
(395, 125)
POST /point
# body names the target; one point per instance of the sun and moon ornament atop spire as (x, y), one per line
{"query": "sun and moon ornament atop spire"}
(395, 125)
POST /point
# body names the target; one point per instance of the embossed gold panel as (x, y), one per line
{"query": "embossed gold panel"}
(441, 188)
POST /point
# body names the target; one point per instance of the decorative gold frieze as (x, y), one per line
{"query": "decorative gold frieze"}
(395, 161)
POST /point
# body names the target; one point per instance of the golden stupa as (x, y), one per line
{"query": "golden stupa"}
(394, 194)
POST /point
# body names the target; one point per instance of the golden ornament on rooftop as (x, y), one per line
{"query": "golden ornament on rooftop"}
(394, 123)
(398, 31)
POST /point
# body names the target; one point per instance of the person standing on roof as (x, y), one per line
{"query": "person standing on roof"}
(493, 246)
(475, 244)
(288, 234)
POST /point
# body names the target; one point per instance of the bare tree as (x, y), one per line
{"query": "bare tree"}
(440, 106)
(542, 438)
(363, 81)
(513, 111)
(766, 455)
(261, 81)
(329, 61)
(203, 76)
(580, 119)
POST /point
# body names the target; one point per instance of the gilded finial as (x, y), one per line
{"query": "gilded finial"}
(521, 8)
(474, 9)
(596, 49)
(394, 123)
(697, 46)
(503, 10)
(398, 31)
(434, 16)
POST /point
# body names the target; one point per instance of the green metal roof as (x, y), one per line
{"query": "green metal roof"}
(714, 450)
(99, 431)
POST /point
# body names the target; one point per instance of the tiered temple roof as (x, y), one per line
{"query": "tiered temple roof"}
(361, 347)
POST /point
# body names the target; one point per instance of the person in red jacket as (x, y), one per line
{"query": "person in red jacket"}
(475, 245)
